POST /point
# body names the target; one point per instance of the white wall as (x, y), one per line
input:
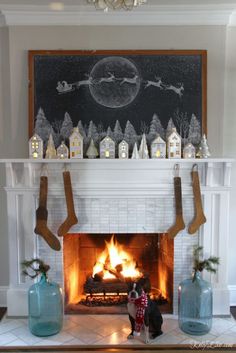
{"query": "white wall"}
(14, 118)
(6, 150)
(229, 145)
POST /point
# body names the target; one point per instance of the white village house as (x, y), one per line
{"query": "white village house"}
(76, 144)
(107, 148)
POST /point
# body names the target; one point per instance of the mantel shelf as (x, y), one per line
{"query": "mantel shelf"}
(118, 161)
(113, 174)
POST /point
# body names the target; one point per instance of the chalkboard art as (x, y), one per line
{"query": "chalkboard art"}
(122, 94)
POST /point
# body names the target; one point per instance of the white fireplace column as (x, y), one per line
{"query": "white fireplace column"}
(117, 196)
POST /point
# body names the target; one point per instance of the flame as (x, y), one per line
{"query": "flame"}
(73, 285)
(163, 282)
(112, 256)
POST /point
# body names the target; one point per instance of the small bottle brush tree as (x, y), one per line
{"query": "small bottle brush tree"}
(200, 264)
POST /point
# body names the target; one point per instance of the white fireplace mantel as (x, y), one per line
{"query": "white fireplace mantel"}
(117, 182)
(92, 174)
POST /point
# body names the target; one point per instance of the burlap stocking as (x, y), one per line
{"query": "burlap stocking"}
(71, 216)
(179, 222)
(42, 217)
(199, 218)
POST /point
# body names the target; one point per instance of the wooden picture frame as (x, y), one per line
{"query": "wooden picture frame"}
(144, 88)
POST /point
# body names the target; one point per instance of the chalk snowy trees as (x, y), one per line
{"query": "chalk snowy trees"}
(67, 127)
(130, 135)
(194, 135)
(42, 125)
(156, 128)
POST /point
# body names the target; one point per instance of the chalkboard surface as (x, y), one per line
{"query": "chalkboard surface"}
(120, 93)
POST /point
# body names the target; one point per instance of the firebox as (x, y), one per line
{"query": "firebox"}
(99, 267)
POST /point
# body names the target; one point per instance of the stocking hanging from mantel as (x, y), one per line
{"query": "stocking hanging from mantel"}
(71, 216)
(179, 222)
(42, 217)
(199, 217)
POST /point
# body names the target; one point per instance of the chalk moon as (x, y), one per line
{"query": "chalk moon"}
(114, 94)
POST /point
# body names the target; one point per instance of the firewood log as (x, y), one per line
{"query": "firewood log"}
(98, 277)
(119, 268)
(109, 285)
(114, 272)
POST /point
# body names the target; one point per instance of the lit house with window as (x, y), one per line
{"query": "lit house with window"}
(189, 151)
(107, 148)
(76, 144)
(174, 144)
(158, 148)
(35, 147)
(62, 151)
(123, 150)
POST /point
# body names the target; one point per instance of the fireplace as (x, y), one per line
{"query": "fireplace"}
(128, 198)
(99, 267)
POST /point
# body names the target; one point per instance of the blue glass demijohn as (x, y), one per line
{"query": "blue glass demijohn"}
(45, 307)
(195, 305)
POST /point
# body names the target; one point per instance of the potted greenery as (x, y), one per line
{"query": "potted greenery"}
(44, 300)
(195, 296)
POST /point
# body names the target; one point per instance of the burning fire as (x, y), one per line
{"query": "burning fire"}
(73, 285)
(114, 259)
(163, 276)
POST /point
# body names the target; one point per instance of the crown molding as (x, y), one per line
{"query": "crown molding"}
(147, 15)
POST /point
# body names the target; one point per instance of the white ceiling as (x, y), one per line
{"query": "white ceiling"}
(151, 2)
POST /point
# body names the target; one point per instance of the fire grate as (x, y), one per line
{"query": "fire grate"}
(107, 286)
(104, 300)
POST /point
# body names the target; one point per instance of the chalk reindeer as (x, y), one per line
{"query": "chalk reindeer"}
(157, 83)
(177, 90)
(88, 81)
(109, 79)
(131, 80)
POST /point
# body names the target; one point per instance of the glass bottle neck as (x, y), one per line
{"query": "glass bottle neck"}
(43, 278)
(196, 275)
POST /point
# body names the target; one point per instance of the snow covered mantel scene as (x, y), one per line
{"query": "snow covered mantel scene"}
(117, 196)
(190, 130)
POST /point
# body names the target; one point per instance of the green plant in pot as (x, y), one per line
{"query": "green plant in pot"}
(44, 300)
(195, 296)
